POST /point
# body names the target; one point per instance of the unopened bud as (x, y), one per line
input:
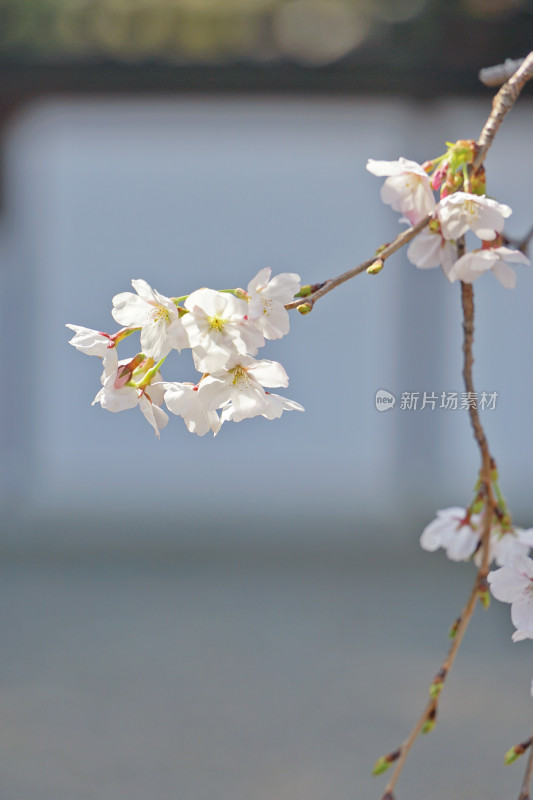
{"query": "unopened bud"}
(381, 766)
(429, 724)
(305, 308)
(241, 294)
(383, 763)
(483, 593)
(375, 267)
(438, 684)
(455, 627)
(305, 291)
(516, 751)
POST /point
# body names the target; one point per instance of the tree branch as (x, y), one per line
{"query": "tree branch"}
(501, 105)
(430, 709)
(382, 254)
(526, 783)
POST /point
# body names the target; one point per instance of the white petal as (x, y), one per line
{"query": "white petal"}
(505, 274)
(269, 373)
(260, 281)
(276, 405)
(522, 615)
(506, 584)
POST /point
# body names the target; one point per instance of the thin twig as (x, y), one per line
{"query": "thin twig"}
(480, 583)
(487, 462)
(526, 783)
(431, 706)
(502, 104)
(523, 244)
(467, 302)
(403, 238)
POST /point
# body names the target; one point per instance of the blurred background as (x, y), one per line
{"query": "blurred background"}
(248, 615)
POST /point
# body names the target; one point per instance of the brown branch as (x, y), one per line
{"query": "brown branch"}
(526, 783)
(501, 105)
(487, 462)
(523, 244)
(382, 254)
(479, 588)
(431, 706)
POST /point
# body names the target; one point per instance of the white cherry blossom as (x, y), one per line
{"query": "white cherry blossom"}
(407, 188)
(461, 211)
(513, 583)
(218, 327)
(187, 401)
(117, 394)
(430, 249)
(453, 533)
(241, 385)
(274, 408)
(266, 306)
(504, 546)
(161, 327)
(90, 342)
(494, 259)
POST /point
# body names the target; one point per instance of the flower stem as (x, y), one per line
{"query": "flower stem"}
(526, 783)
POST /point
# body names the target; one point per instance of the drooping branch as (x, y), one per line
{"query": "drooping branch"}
(487, 462)
(526, 783)
(430, 710)
(501, 105)
(479, 589)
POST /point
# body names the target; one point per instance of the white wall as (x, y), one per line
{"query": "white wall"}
(193, 192)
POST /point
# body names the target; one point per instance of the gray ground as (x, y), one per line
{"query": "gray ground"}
(227, 680)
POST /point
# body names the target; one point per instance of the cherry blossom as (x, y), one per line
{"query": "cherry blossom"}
(90, 342)
(407, 189)
(452, 531)
(274, 408)
(161, 327)
(505, 545)
(513, 583)
(266, 306)
(239, 391)
(187, 401)
(218, 327)
(495, 259)
(461, 211)
(276, 405)
(119, 392)
(430, 249)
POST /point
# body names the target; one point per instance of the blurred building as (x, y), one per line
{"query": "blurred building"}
(203, 141)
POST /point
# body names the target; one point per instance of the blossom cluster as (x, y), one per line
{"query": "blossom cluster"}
(224, 331)
(458, 532)
(409, 189)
